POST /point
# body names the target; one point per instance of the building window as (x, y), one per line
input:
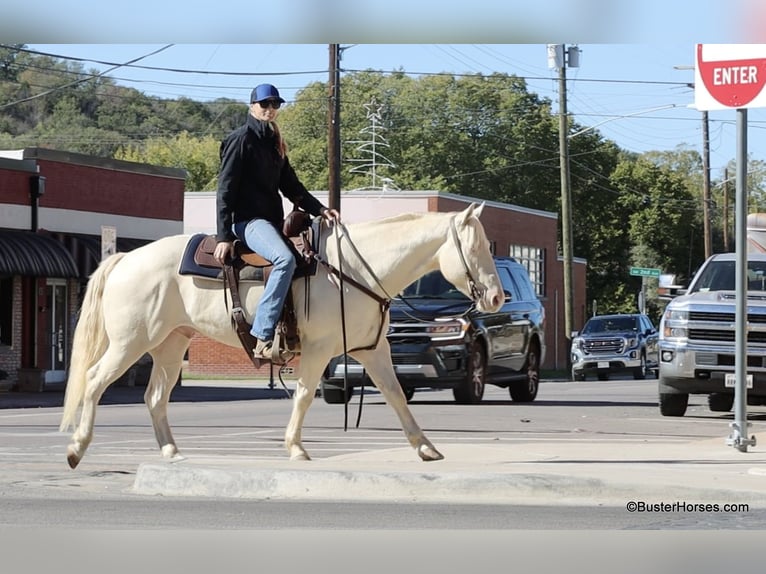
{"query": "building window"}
(533, 258)
(6, 311)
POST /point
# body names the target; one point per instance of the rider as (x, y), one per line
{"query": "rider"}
(254, 169)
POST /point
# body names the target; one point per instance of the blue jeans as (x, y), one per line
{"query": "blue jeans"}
(263, 238)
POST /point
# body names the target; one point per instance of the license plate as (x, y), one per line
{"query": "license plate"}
(603, 364)
(730, 380)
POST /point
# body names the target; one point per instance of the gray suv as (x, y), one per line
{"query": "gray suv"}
(439, 341)
(610, 344)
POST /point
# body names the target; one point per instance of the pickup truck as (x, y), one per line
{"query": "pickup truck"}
(439, 341)
(697, 336)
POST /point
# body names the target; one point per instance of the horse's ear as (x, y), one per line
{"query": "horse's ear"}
(474, 209)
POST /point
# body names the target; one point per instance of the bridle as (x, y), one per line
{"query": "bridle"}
(476, 289)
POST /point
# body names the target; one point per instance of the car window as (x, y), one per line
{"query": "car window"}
(509, 284)
(610, 324)
(523, 283)
(433, 285)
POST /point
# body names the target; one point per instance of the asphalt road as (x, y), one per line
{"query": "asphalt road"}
(37, 489)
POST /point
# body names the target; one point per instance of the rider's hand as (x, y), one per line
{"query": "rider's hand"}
(331, 215)
(222, 251)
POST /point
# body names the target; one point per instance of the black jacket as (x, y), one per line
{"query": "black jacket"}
(251, 177)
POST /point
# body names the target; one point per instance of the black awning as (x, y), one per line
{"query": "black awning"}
(86, 249)
(34, 254)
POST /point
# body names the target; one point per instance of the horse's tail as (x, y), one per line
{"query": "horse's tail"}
(90, 340)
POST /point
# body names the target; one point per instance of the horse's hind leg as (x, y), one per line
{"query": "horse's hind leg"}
(377, 362)
(98, 378)
(166, 365)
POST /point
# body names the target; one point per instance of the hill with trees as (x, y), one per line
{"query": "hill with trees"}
(485, 136)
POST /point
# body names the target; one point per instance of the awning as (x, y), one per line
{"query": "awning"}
(34, 254)
(86, 249)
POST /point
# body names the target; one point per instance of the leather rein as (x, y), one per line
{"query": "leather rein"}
(476, 290)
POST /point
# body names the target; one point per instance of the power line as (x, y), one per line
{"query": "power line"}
(159, 68)
(87, 79)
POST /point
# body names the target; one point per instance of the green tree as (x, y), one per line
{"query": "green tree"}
(198, 156)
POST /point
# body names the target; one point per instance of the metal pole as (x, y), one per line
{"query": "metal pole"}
(726, 210)
(566, 209)
(738, 437)
(706, 184)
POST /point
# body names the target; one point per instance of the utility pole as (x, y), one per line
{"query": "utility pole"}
(559, 57)
(706, 184)
(333, 132)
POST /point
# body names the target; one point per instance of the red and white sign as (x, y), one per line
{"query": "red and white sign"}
(729, 76)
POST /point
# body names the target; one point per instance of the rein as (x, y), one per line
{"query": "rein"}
(384, 302)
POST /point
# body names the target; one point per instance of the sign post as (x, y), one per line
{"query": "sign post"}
(644, 272)
(732, 76)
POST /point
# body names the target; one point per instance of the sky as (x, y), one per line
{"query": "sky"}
(639, 95)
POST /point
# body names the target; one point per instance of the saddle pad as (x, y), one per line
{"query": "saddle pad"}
(197, 249)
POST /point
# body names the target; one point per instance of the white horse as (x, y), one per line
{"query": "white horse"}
(137, 302)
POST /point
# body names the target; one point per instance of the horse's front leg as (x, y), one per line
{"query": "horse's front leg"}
(308, 380)
(377, 362)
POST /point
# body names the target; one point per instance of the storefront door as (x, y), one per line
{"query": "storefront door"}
(56, 294)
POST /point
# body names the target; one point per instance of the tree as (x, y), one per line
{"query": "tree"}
(198, 156)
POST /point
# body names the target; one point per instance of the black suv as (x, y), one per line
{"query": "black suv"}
(438, 341)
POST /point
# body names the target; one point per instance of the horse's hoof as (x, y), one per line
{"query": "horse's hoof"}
(429, 453)
(301, 456)
(72, 458)
(169, 452)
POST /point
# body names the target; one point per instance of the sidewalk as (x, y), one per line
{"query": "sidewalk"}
(706, 472)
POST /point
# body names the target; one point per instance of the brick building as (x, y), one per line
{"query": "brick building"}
(527, 234)
(55, 207)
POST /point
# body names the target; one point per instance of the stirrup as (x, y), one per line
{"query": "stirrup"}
(280, 356)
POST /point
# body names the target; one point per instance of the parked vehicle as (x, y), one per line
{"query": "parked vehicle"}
(612, 344)
(697, 336)
(439, 341)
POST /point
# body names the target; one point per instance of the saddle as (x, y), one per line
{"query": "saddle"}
(246, 265)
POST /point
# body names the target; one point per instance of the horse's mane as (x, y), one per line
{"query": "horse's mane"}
(400, 218)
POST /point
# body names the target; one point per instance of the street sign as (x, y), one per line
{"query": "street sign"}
(108, 241)
(645, 271)
(730, 76)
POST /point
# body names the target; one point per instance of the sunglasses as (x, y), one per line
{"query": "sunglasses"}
(275, 104)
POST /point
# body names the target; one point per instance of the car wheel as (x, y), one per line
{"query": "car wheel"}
(471, 389)
(409, 392)
(673, 405)
(526, 391)
(640, 372)
(720, 402)
(578, 375)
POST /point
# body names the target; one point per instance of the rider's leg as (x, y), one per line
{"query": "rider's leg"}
(263, 238)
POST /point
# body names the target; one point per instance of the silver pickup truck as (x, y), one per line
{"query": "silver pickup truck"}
(697, 337)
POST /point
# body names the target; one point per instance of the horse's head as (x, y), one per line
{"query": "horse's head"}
(466, 261)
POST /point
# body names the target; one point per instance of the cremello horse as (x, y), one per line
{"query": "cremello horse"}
(137, 302)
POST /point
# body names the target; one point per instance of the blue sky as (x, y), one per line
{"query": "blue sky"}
(635, 94)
